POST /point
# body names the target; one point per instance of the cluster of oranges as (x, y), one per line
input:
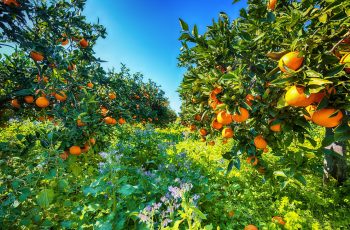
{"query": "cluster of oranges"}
(276, 219)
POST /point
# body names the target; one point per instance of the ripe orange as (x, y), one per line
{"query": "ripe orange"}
(253, 160)
(61, 96)
(203, 132)
(224, 118)
(92, 140)
(112, 96)
(291, 61)
(266, 150)
(42, 102)
(84, 43)
(250, 227)
(90, 85)
(310, 109)
(44, 79)
(104, 111)
(192, 127)
(217, 90)
(114, 121)
(241, 117)
(29, 99)
(64, 155)
(36, 56)
(11, 3)
(197, 117)
(15, 103)
(248, 99)
(322, 117)
(320, 95)
(275, 127)
(260, 142)
(75, 150)
(121, 121)
(227, 133)
(278, 219)
(271, 5)
(108, 120)
(295, 96)
(85, 148)
(80, 123)
(216, 125)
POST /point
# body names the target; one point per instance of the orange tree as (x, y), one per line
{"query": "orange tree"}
(266, 77)
(53, 74)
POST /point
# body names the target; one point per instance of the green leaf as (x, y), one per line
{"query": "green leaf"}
(127, 189)
(279, 174)
(45, 197)
(195, 31)
(318, 81)
(183, 25)
(199, 213)
(323, 18)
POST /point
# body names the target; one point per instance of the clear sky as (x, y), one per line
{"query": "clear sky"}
(144, 34)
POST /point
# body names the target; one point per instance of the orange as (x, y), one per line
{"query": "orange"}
(84, 43)
(216, 125)
(11, 3)
(197, 117)
(212, 96)
(92, 140)
(278, 219)
(227, 133)
(217, 90)
(203, 132)
(15, 103)
(231, 213)
(29, 99)
(211, 143)
(112, 96)
(121, 121)
(271, 5)
(64, 155)
(192, 127)
(310, 110)
(320, 95)
(253, 160)
(90, 85)
(241, 117)
(322, 117)
(44, 79)
(250, 227)
(104, 111)
(85, 148)
(275, 127)
(36, 56)
(42, 102)
(249, 97)
(114, 121)
(80, 123)
(108, 120)
(260, 142)
(61, 96)
(266, 150)
(291, 61)
(295, 96)
(224, 118)
(75, 150)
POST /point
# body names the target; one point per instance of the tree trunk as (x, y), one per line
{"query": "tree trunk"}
(335, 164)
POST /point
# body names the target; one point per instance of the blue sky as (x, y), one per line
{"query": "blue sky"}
(143, 34)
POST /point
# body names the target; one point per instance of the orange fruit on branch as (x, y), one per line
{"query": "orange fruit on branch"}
(275, 127)
(36, 56)
(224, 118)
(290, 60)
(271, 5)
(203, 132)
(112, 96)
(15, 103)
(260, 142)
(216, 125)
(250, 227)
(64, 155)
(295, 96)
(29, 99)
(90, 85)
(227, 133)
(75, 150)
(80, 123)
(253, 160)
(61, 96)
(197, 117)
(241, 117)
(42, 102)
(84, 43)
(121, 121)
(278, 219)
(328, 117)
(11, 3)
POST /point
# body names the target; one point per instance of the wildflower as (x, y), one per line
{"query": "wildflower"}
(143, 217)
(166, 222)
(103, 155)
